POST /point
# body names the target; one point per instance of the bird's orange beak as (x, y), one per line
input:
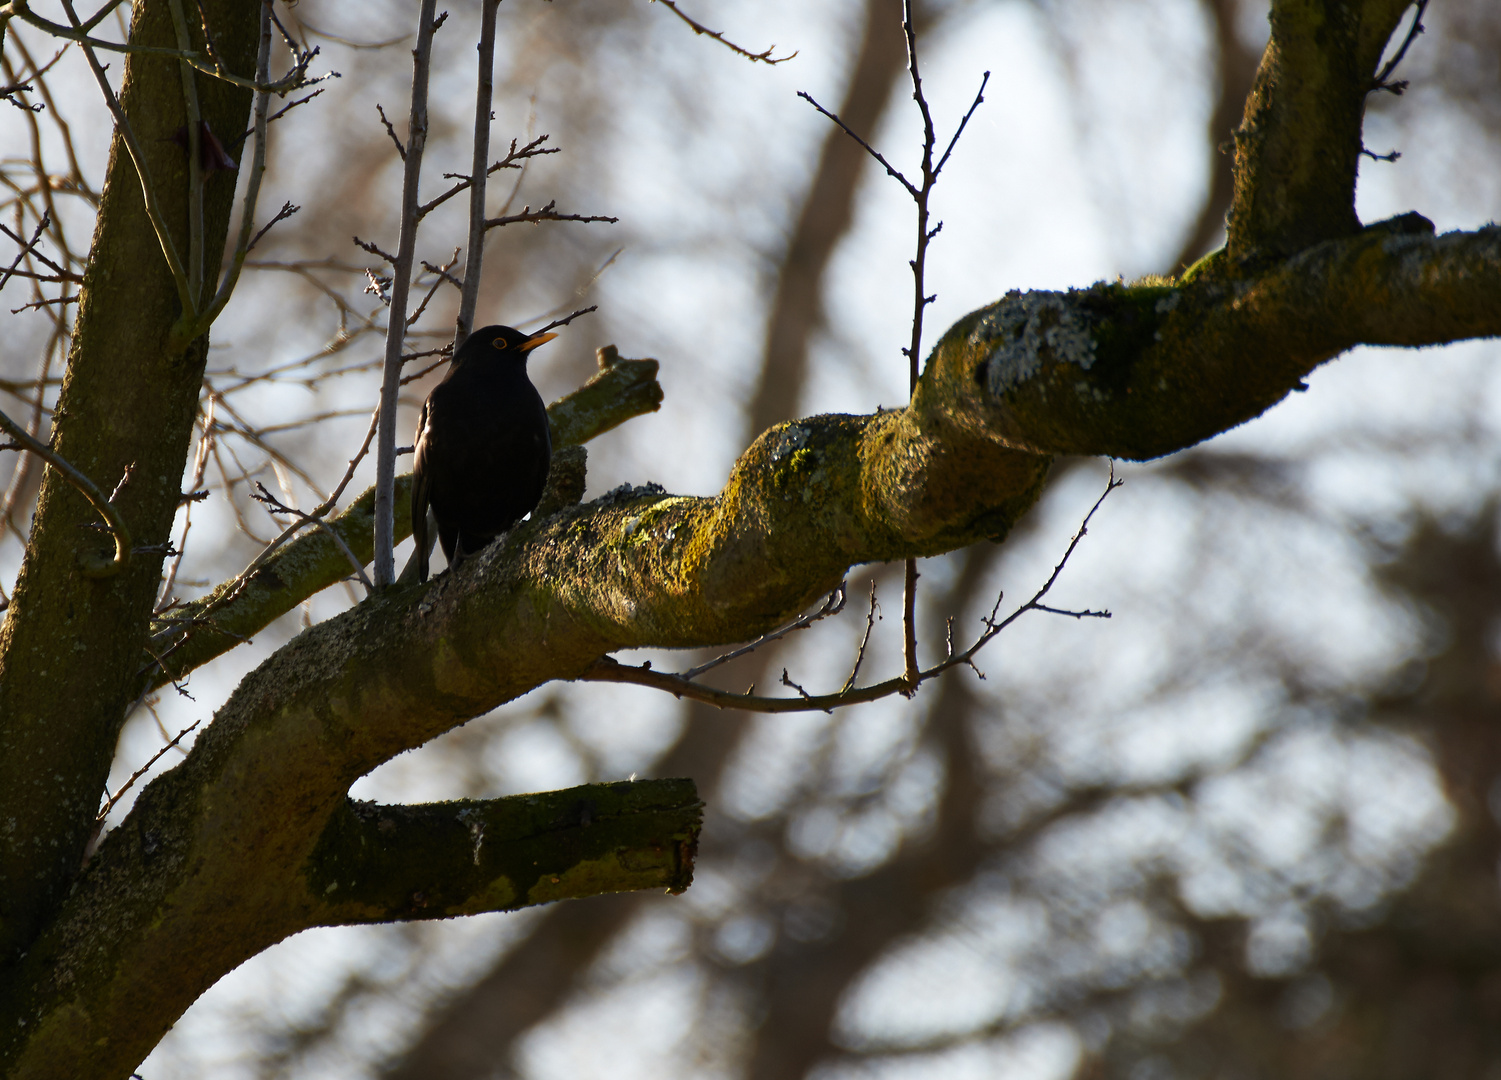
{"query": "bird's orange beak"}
(536, 339)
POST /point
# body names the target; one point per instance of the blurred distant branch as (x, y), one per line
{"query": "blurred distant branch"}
(718, 35)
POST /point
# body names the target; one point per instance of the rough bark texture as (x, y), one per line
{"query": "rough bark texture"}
(71, 645)
(1298, 148)
(240, 844)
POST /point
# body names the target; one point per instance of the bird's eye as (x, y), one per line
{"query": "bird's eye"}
(501, 343)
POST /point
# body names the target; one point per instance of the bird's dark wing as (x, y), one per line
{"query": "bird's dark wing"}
(420, 481)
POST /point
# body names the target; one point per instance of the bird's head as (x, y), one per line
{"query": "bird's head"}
(499, 343)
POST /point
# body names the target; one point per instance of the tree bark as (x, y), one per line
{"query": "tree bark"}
(71, 645)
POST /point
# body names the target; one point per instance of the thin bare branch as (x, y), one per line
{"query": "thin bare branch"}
(833, 605)
(1382, 79)
(547, 213)
(567, 319)
(718, 35)
(27, 247)
(142, 771)
(891, 170)
(385, 455)
(483, 94)
(514, 159)
(286, 211)
(870, 625)
(391, 131)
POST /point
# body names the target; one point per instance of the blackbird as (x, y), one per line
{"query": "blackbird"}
(482, 448)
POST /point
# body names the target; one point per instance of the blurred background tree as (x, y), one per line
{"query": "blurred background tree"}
(1247, 828)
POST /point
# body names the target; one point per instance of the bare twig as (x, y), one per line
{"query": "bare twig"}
(870, 624)
(718, 35)
(913, 350)
(29, 247)
(566, 319)
(374, 249)
(391, 131)
(910, 670)
(200, 462)
(831, 606)
(442, 273)
(440, 276)
(286, 211)
(1381, 81)
(443, 354)
(38, 304)
(514, 159)
(113, 799)
(547, 213)
(9, 92)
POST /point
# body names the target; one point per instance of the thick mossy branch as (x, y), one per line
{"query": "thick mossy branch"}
(382, 863)
(195, 633)
(1137, 372)
(1297, 150)
(371, 863)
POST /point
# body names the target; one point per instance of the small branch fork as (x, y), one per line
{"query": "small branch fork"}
(682, 684)
(718, 35)
(28, 247)
(1382, 81)
(514, 159)
(920, 301)
(565, 320)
